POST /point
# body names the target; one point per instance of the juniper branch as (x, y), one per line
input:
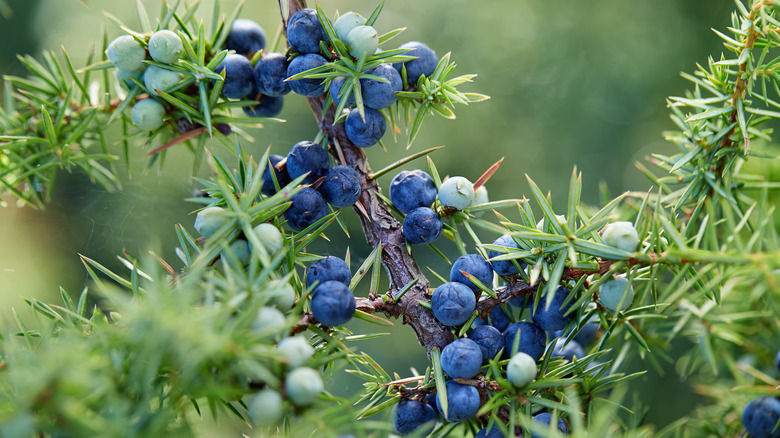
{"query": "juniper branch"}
(381, 228)
(740, 84)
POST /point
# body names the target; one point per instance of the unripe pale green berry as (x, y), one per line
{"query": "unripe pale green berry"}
(559, 217)
(270, 237)
(617, 294)
(362, 39)
(165, 46)
(480, 196)
(521, 370)
(123, 77)
(345, 23)
(147, 114)
(456, 192)
(303, 386)
(296, 350)
(126, 53)
(266, 408)
(156, 78)
(210, 219)
(269, 321)
(282, 293)
(621, 235)
(240, 250)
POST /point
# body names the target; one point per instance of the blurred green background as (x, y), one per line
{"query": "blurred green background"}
(571, 83)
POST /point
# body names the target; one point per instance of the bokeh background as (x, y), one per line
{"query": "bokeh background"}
(571, 83)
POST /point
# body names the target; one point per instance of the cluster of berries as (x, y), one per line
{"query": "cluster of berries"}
(338, 186)
(129, 53)
(264, 82)
(268, 80)
(332, 303)
(211, 219)
(379, 94)
(413, 194)
(617, 294)
(502, 335)
(307, 37)
(302, 385)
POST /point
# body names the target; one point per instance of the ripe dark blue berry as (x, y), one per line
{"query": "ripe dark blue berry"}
(475, 265)
(533, 339)
(568, 351)
(307, 207)
(422, 225)
(281, 176)
(267, 106)
(489, 340)
(377, 94)
(270, 74)
(452, 303)
(341, 186)
(306, 156)
(760, 417)
(246, 37)
(585, 335)
(412, 189)
(306, 87)
(332, 303)
(365, 133)
(413, 416)
(499, 319)
(425, 64)
(223, 128)
(554, 317)
(544, 418)
(304, 31)
(521, 302)
(335, 92)
(330, 268)
(462, 402)
(239, 76)
(461, 359)
(431, 399)
(504, 267)
(493, 432)
(184, 125)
